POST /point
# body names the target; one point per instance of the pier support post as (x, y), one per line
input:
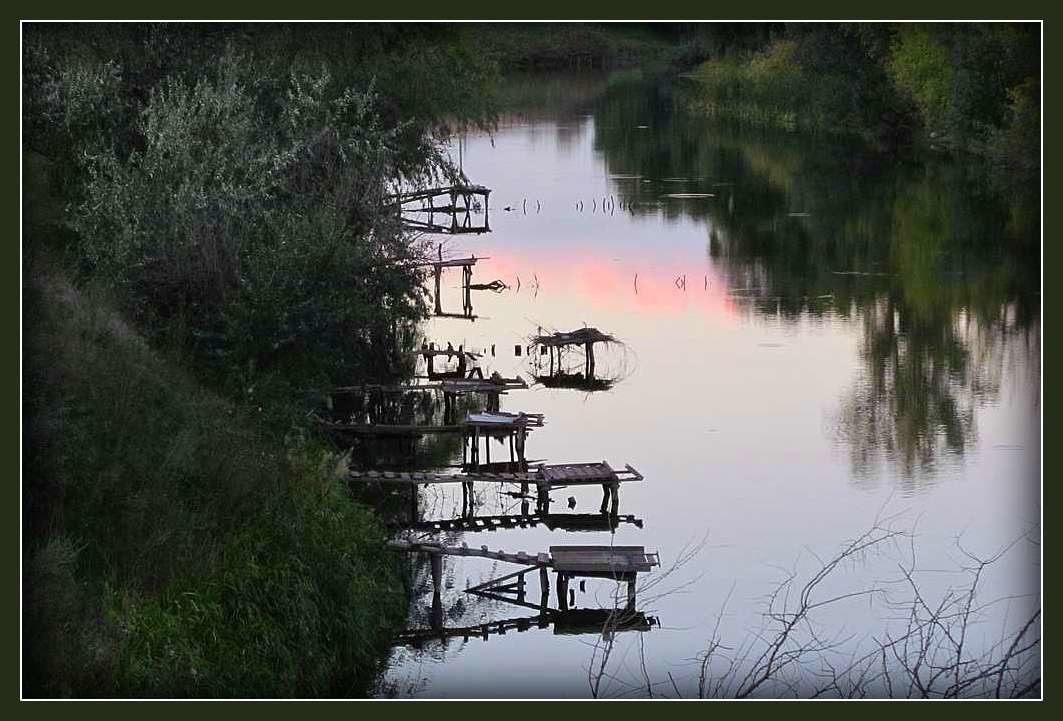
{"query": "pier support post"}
(544, 595)
(542, 498)
(468, 500)
(437, 612)
(439, 305)
(631, 592)
(521, 436)
(437, 571)
(562, 591)
(611, 498)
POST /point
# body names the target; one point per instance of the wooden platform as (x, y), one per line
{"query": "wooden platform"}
(607, 560)
(555, 476)
(482, 423)
(388, 429)
(427, 193)
(451, 263)
(520, 557)
(500, 420)
(568, 560)
(581, 336)
(483, 385)
(431, 352)
(570, 622)
(553, 521)
(447, 385)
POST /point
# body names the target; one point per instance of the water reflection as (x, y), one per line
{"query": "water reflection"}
(938, 263)
(909, 290)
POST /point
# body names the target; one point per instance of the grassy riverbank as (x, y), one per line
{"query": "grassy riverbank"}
(174, 547)
(957, 87)
(205, 250)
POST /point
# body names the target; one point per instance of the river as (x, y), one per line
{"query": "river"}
(813, 335)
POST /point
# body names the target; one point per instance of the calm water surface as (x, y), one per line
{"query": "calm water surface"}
(814, 336)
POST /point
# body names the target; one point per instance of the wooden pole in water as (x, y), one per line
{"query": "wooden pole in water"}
(544, 588)
(439, 306)
(437, 570)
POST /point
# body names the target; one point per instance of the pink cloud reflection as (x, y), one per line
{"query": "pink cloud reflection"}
(604, 282)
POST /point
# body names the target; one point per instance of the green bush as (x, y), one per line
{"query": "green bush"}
(920, 66)
(171, 548)
(815, 80)
(216, 193)
(265, 240)
(958, 83)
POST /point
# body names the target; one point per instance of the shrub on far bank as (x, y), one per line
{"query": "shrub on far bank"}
(961, 87)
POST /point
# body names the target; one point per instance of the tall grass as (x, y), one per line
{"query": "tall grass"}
(172, 549)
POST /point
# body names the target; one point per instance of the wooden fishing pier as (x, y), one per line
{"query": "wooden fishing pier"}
(575, 621)
(448, 384)
(457, 216)
(618, 563)
(556, 344)
(590, 522)
(466, 265)
(545, 478)
(466, 365)
(428, 199)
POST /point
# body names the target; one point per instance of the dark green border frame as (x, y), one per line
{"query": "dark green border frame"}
(542, 10)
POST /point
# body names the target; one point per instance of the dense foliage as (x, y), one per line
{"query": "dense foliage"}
(238, 206)
(207, 238)
(971, 87)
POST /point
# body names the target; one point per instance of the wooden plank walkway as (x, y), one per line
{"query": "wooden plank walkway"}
(569, 560)
(565, 521)
(558, 476)
(570, 622)
(447, 385)
(485, 385)
(527, 559)
(451, 263)
(577, 560)
(448, 352)
(488, 420)
(388, 429)
(426, 193)
(580, 336)
(484, 423)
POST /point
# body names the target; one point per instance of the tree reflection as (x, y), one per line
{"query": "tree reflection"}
(934, 258)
